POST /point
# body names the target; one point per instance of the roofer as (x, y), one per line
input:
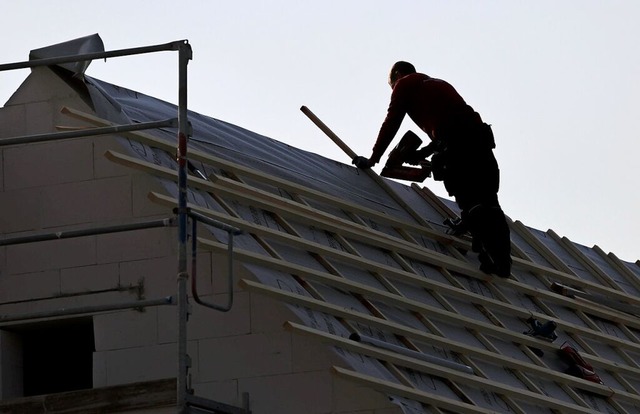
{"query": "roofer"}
(462, 147)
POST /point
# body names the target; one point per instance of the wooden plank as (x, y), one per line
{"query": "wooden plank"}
(251, 173)
(591, 267)
(430, 197)
(288, 228)
(452, 345)
(419, 307)
(381, 240)
(619, 266)
(402, 275)
(499, 388)
(308, 215)
(535, 268)
(571, 249)
(565, 274)
(242, 190)
(547, 254)
(392, 388)
(119, 398)
(372, 174)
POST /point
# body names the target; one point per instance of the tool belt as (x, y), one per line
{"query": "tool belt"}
(439, 162)
(453, 142)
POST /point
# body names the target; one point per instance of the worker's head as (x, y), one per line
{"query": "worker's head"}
(399, 70)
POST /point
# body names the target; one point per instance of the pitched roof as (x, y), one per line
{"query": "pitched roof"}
(433, 332)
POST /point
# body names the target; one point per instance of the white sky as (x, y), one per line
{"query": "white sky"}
(558, 80)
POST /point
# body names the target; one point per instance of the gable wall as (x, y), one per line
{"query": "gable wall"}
(57, 186)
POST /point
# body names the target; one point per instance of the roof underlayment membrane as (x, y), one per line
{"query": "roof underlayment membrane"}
(328, 241)
(474, 313)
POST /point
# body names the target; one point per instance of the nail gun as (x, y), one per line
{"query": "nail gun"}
(406, 152)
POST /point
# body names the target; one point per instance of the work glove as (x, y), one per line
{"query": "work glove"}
(362, 162)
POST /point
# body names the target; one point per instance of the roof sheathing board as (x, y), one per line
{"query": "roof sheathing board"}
(465, 316)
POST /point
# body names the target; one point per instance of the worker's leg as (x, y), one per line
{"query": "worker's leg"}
(476, 194)
(491, 235)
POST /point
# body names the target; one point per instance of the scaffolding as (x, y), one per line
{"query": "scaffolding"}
(186, 401)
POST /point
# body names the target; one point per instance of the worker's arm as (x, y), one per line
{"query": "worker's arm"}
(395, 114)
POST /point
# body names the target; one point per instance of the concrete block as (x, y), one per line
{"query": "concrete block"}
(13, 121)
(42, 84)
(219, 262)
(126, 329)
(244, 356)
(71, 99)
(39, 117)
(92, 201)
(54, 254)
(349, 396)
(309, 393)
(1, 170)
(268, 315)
(142, 206)
(43, 164)
(137, 245)
(206, 277)
(225, 392)
(159, 275)
(30, 286)
(205, 322)
(20, 210)
(309, 354)
(125, 366)
(104, 168)
(99, 369)
(89, 278)
(11, 365)
(3, 261)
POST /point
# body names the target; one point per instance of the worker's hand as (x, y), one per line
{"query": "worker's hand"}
(362, 162)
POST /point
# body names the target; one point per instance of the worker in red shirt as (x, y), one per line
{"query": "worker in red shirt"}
(462, 148)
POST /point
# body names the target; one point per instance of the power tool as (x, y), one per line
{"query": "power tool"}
(406, 152)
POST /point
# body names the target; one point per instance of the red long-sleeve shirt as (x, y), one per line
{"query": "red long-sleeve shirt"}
(432, 104)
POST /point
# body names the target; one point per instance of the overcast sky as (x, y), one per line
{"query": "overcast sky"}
(558, 80)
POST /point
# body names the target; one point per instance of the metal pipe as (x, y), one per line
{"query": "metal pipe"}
(166, 222)
(91, 56)
(194, 250)
(168, 300)
(411, 353)
(184, 55)
(85, 132)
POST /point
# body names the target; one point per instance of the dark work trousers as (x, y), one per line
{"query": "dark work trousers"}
(473, 178)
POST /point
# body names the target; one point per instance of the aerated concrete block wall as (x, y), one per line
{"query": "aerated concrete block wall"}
(63, 185)
(69, 184)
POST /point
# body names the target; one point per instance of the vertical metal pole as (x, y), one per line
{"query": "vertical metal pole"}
(184, 55)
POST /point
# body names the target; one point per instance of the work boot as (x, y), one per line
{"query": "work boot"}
(491, 239)
(490, 266)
